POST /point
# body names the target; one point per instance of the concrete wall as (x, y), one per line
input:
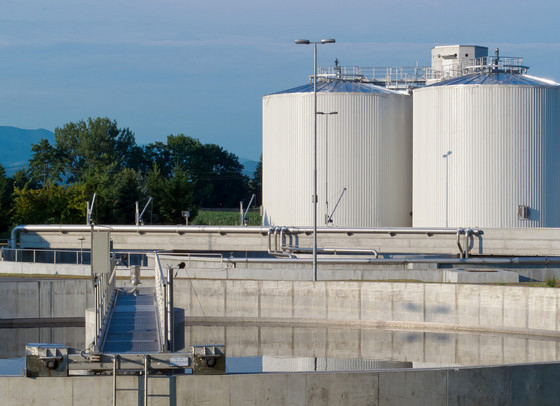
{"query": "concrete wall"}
(509, 309)
(45, 298)
(512, 385)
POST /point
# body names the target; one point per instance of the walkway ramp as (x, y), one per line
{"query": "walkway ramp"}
(133, 326)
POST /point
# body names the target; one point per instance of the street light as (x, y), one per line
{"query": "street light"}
(314, 198)
(327, 163)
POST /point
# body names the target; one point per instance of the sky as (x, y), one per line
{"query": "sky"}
(201, 68)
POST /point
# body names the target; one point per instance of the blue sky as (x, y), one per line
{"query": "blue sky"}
(201, 68)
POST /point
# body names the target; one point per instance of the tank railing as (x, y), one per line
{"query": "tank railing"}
(487, 64)
(105, 293)
(67, 257)
(397, 77)
(164, 303)
(278, 246)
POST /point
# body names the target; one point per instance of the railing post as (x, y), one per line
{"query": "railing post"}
(169, 306)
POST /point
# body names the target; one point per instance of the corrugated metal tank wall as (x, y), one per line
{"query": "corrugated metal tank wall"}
(369, 153)
(480, 151)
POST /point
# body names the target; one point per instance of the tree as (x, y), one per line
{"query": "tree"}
(217, 175)
(6, 189)
(45, 164)
(171, 196)
(123, 196)
(96, 145)
(52, 204)
(158, 154)
(255, 184)
(21, 180)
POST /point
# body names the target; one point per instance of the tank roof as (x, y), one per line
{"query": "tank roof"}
(497, 78)
(339, 86)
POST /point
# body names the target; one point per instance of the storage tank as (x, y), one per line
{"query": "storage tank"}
(487, 151)
(363, 156)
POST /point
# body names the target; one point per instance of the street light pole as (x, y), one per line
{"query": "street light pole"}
(314, 198)
(327, 163)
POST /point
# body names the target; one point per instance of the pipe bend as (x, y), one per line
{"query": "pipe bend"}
(460, 231)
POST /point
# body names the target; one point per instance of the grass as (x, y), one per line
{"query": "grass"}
(551, 283)
(224, 218)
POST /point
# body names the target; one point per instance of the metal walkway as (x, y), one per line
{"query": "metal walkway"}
(133, 324)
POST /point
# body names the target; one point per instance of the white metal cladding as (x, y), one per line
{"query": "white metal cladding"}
(369, 154)
(481, 151)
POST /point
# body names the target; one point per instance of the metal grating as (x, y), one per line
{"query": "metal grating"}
(133, 325)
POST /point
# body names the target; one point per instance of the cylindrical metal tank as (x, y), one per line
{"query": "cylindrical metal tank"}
(363, 156)
(487, 152)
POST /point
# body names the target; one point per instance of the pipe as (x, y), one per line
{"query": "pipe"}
(405, 261)
(467, 242)
(183, 229)
(340, 250)
(459, 232)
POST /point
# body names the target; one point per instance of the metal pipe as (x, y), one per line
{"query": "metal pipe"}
(182, 229)
(408, 260)
(315, 197)
(340, 250)
(115, 359)
(459, 232)
(146, 373)
(467, 242)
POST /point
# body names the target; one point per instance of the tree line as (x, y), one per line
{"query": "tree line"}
(96, 156)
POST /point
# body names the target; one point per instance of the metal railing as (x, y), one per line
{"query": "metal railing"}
(401, 77)
(105, 293)
(66, 257)
(406, 77)
(164, 302)
(487, 64)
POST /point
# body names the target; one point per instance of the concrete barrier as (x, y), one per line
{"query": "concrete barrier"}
(493, 308)
(47, 298)
(511, 385)
(455, 307)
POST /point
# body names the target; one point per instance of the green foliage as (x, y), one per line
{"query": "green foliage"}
(255, 184)
(52, 204)
(96, 145)
(46, 163)
(216, 173)
(95, 156)
(551, 283)
(224, 218)
(171, 196)
(6, 190)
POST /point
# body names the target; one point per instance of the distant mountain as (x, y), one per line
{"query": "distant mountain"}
(249, 166)
(15, 146)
